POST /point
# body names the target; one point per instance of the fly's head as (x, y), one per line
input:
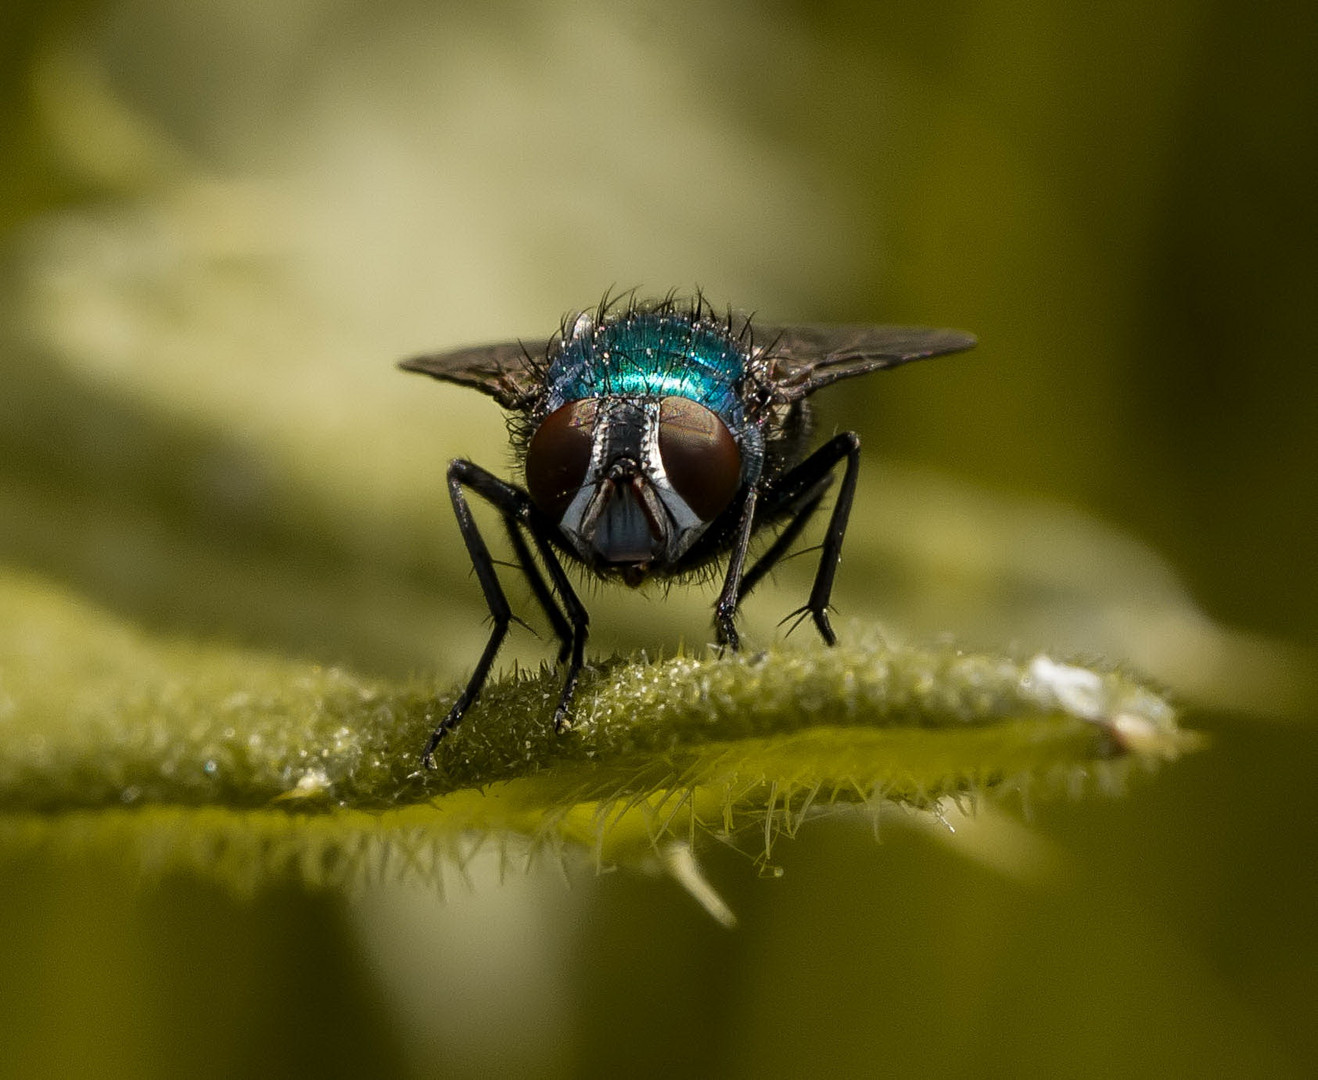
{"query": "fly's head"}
(633, 482)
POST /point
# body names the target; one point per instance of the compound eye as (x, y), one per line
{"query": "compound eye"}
(559, 456)
(700, 456)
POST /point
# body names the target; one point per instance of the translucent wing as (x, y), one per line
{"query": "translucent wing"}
(805, 358)
(507, 371)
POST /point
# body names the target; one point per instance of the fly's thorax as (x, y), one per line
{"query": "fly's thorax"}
(633, 482)
(654, 352)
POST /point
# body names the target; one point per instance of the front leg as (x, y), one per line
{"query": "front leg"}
(518, 512)
(574, 648)
(725, 611)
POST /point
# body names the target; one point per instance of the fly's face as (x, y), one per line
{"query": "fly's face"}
(633, 482)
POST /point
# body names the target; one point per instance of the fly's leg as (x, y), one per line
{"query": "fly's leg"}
(518, 512)
(801, 516)
(543, 595)
(822, 462)
(577, 624)
(800, 493)
(725, 610)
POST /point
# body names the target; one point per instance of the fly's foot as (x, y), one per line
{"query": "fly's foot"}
(442, 729)
(821, 620)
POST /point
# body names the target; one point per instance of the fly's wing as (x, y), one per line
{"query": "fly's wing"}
(507, 371)
(804, 358)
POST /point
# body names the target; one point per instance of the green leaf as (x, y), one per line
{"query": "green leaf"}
(176, 756)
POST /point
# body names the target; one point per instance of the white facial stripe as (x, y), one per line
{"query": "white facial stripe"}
(652, 461)
(576, 510)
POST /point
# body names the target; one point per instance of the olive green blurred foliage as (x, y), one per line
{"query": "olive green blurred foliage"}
(222, 222)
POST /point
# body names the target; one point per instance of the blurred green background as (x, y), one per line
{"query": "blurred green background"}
(220, 224)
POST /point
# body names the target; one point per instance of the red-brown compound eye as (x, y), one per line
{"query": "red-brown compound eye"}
(559, 455)
(700, 456)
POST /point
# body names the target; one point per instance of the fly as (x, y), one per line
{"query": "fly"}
(657, 438)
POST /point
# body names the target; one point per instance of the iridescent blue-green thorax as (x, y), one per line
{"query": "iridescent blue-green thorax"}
(652, 354)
